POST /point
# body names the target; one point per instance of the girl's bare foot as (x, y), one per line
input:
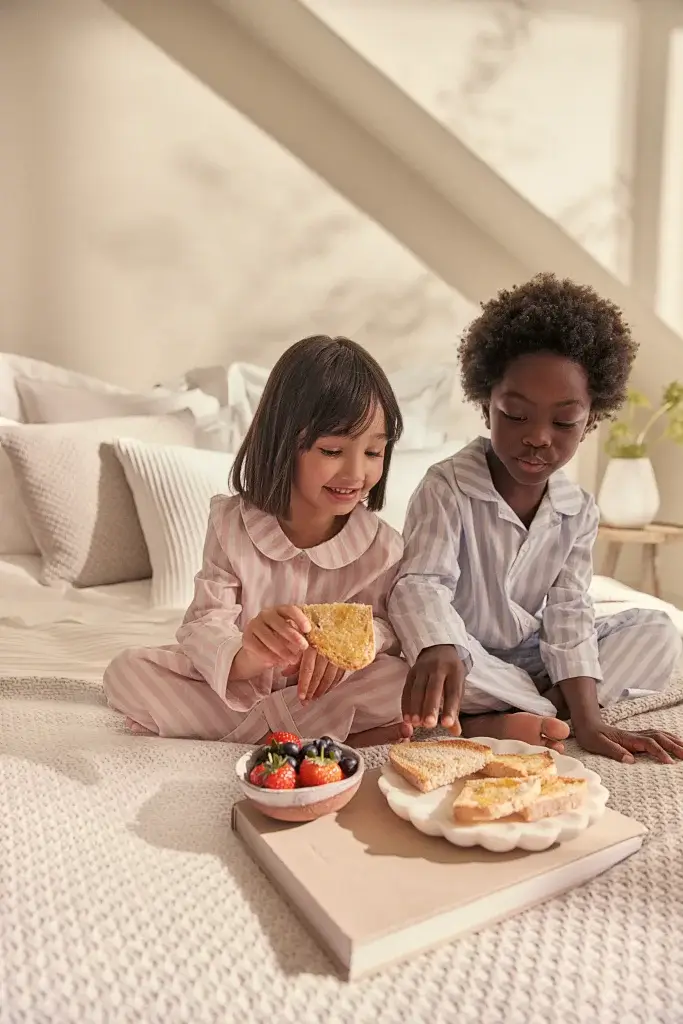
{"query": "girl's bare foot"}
(401, 732)
(518, 725)
(137, 729)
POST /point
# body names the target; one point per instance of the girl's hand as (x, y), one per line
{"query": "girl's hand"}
(317, 676)
(275, 638)
(621, 745)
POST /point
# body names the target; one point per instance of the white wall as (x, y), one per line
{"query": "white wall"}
(152, 227)
(536, 92)
(170, 230)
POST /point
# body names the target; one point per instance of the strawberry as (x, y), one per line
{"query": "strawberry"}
(283, 777)
(257, 775)
(319, 771)
(274, 773)
(283, 737)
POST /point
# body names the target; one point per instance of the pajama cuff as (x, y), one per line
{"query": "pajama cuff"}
(225, 655)
(444, 638)
(385, 638)
(562, 664)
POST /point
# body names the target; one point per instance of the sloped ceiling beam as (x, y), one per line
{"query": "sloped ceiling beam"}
(292, 76)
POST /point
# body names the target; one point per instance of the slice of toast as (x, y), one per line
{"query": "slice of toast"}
(432, 764)
(490, 799)
(342, 633)
(520, 766)
(558, 795)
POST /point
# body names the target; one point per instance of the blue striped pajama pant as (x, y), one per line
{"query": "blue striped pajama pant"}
(638, 648)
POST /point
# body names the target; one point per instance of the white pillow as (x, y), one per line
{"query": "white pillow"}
(47, 401)
(172, 487)
(13, 366)
(15, 535)
(423, 392)
(407, 470)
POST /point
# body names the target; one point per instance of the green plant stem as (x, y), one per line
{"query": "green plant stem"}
(651, 422)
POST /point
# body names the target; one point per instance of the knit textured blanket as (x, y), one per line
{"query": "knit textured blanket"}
(126, 899)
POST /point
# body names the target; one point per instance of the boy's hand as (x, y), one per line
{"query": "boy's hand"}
(621, 745)
(275, 638)
(437, 678)
(316, 676)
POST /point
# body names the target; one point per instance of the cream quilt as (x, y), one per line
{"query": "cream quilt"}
(126, 899)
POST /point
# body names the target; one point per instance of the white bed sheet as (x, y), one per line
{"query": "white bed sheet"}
(71, 633)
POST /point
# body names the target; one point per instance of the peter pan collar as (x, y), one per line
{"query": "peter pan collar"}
(351, 542)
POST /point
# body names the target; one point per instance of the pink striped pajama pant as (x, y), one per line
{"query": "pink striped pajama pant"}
(158, 688)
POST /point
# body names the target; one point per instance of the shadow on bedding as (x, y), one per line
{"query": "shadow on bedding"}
(194, 817)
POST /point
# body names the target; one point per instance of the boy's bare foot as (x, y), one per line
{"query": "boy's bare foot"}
(398, 733)
(518, 725)
(137, 729)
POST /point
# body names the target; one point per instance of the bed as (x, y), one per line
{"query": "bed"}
(124, 896)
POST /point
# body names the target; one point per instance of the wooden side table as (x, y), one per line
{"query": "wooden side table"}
(650, 538)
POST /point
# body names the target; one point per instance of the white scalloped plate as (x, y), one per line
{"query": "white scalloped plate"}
(431, 813)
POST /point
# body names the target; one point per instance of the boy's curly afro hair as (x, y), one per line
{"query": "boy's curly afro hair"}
(550, 315)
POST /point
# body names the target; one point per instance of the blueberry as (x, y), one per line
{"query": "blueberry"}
(323, 743)
(349, 764)
(334, 752)
(290, 759)
(290, 749)
(308, 750)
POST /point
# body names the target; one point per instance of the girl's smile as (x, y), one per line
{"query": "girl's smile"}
(335, 474)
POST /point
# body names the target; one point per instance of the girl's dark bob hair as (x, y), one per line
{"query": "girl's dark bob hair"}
(320, 387)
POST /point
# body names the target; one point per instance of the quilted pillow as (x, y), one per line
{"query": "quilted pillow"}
(78, 504)
(15, 536)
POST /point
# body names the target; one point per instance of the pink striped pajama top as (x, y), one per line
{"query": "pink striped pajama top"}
(249, 564)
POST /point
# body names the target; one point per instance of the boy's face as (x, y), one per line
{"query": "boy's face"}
(538, 414)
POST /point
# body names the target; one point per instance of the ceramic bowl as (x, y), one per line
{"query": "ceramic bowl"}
(305, 804)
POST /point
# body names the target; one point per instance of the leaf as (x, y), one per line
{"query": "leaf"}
(637, 399)
(627, 451)
(673, 394)
(620, 431)
(674, 429)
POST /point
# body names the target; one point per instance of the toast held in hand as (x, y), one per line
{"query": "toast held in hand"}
(342, 633)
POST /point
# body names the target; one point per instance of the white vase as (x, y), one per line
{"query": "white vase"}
(628, 495)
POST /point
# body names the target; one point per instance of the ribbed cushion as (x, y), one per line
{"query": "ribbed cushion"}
(172, 487)
(77, 501)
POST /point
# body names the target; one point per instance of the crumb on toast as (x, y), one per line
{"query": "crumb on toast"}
(491, 799)
(523, 766)
(431, 764)
(558, 795)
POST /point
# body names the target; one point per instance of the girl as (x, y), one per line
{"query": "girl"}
(301, 529)
(492, 603)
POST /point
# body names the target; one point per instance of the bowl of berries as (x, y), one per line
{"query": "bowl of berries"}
(294, 779)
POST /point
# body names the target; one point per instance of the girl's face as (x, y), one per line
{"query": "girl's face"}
(339, 471)
(538, 414)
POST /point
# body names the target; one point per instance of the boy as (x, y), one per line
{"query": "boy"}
(491, 602)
